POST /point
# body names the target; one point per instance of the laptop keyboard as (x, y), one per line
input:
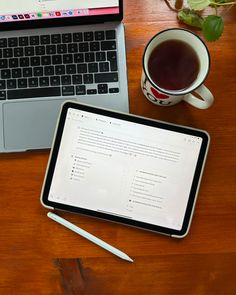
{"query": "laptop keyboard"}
(65, 64)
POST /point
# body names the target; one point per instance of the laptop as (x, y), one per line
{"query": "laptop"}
(52, 51)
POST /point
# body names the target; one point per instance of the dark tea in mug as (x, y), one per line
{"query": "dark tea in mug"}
(173, 65)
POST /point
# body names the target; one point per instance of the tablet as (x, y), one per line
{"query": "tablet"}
(125, 168)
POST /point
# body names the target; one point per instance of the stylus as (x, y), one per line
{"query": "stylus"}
(89, 236)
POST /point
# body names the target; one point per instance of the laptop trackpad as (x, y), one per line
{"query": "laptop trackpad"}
(30, 125)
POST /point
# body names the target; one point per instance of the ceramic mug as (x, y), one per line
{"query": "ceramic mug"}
(161, 96)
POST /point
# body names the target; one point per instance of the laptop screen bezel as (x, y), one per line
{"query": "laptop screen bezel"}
(63, 21)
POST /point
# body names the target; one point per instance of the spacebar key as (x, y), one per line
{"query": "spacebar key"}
(33, 92)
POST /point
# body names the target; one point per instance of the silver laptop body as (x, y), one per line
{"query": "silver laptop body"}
(27, 119)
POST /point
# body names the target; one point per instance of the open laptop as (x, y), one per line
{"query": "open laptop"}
(51, 51)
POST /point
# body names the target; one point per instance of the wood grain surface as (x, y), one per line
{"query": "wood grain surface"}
(38, 256)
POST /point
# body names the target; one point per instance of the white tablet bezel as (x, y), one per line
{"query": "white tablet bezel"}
(140, 120)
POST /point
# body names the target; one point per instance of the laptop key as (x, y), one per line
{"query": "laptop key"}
(49, 71)
(78, 58)
(5, 74)
(61, 48)
(112, 57)
(34, 92)
(3, 63)
(7, 52)
(70, 69)
(66, 38)
(12, 42)
(35, 61)
(99, 35)
(40, 50)
(66, 80)
(89, 57)
(80, 90)
(56, 59)
(82, 68)
(3, 42)
(100, 56)
(72, 48)
(88, 78)
(2, 84)
(46, 60)
(22, 83)
(18, 51)
(29, 51)
(110, 34)
(94, 46)
(16, 73)
(13, 63)
(23, 41)
(45, 39)
(38, 71)
(44, 81)
(113, 65)
(27, 72)
(102, 88)
(84, 47)
(68, 90)
(11, 84)
(77, 79)
(60, 70)
(77, 37)
(33, 82)
(104, 66)
(34, 40)
(92, 91)
(108, 45)
(67, 58)
(88, 36)
(56, 38)
(24, 62)
(106, 77)
(114, 90)
(93, 67)
(55, 81)
(2, 94)
(51, 49)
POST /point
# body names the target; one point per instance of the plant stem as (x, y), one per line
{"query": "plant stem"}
(169, 5)
(223, 4)
(226, 10)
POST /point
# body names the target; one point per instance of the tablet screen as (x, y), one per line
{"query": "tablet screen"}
(126, 168)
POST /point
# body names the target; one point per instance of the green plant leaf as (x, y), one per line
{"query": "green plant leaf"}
(190, 17)
(213, 27)
(198, 4)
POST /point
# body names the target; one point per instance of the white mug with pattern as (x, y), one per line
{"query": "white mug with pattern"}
(165, 97)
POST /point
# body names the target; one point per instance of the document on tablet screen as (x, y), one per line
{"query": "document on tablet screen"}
(125, 169)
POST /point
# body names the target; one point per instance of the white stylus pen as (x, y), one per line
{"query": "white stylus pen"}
(88, 236)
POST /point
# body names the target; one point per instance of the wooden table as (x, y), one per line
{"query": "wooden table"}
(38, 256)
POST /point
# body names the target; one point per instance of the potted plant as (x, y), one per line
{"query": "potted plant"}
(191, 13)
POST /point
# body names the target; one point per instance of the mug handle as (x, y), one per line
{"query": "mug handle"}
(205, 94)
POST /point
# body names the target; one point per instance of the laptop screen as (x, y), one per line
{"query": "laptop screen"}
(36, 10)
